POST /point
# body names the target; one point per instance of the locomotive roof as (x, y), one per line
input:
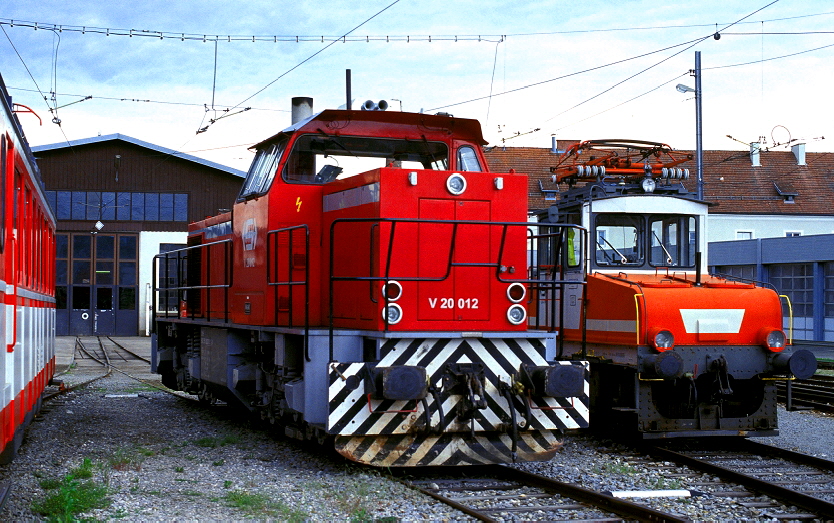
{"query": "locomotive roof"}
(388, 124)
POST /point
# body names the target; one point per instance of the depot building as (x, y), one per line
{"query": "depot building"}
(120, 201)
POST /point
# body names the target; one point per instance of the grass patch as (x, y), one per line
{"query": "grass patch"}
(71, 495)
(127, 459)
(139, 388)
(214, 442)
(262, 505)
(667, 484)
(219, 463)
(616, 468)
(83, 471)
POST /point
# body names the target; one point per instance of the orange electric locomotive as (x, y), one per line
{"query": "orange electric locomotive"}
(369, 289)
(674, 352)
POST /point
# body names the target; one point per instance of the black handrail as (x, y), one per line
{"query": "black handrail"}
(272, 244)
(180, 256)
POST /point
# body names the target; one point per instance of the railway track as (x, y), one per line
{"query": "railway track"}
(502, 493)
(97, 357)
(796, 479)
(816, 392)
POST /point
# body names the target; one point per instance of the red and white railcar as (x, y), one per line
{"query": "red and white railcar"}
(27, 289)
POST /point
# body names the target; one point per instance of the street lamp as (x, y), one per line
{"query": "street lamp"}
(699, 150)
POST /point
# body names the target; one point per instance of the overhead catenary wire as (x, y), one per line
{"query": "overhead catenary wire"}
(567, 75)
(29, 72)
(140, 100)
(485, 37)
(296, 66)
(689, 45)
(686, 73)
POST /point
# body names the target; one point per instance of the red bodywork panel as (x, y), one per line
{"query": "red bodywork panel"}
(267, 248)
(463, 298)
(718, 312)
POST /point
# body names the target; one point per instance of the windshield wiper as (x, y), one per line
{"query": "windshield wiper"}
(668, 256)
(623, 259)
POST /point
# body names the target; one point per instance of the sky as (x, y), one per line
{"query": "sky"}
(528, 71)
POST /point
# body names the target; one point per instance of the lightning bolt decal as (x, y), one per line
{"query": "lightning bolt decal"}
(298, 204)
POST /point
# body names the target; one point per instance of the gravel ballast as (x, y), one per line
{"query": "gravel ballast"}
(164, 458)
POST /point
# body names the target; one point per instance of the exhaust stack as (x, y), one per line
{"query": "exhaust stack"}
(302, 107)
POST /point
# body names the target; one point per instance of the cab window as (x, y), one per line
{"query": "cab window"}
(319, 159)
(619, 240)
(468, 159)
(673, 241)
(262, 170)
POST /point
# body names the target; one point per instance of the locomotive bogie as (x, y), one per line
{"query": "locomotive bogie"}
(415, 401)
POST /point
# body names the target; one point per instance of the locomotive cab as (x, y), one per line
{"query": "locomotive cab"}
(675, 352)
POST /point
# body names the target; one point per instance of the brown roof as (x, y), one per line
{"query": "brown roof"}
(731, 182)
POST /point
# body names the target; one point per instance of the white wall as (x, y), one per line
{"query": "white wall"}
(149, 243)
(723, 227)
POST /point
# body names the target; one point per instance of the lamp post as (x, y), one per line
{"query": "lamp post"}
(699, 149)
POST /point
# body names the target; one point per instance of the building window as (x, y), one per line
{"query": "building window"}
(121, 206)
(744, 235)
(796, 281)
(739, 272)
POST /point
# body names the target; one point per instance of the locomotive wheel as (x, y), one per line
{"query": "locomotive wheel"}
(205, 396)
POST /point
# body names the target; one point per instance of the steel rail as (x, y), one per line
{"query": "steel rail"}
(590, 498)
(122, 347)
(818, 506)
(63, 390)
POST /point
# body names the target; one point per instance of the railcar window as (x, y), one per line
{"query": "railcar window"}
(319, 159)
(619, 240)
(672, 240)
(468, 159)
(262, 170)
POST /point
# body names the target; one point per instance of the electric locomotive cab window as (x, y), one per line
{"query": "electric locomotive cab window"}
(619, 240)
(672, 240)
(319, 159)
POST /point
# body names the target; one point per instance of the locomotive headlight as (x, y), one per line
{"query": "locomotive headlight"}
(392, 290)
(516, 314)
(393, 313)
(663, 340)
(516, 292)
(456, 184)
(648, 184)
(775, 340)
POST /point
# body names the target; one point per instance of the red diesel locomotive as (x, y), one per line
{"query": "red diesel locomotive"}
(674, 352)
(27, 242)
(370, 289)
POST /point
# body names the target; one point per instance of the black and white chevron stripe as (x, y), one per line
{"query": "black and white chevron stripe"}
(449, 449)
(351, 414)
